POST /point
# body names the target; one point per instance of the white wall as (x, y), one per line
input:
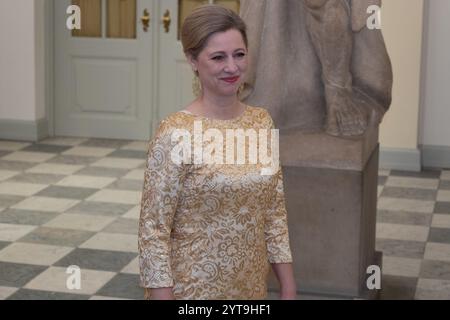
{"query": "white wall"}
(402, 29)
(22, 77)
(435, 120)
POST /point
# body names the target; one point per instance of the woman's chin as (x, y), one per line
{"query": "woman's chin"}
(226, 91)
(230, 92)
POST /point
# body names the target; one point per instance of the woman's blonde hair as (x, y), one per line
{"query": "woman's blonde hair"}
(205, 21)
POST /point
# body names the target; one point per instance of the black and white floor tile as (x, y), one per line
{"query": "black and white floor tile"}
(70, 201)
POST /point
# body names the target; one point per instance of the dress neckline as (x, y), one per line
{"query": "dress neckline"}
(239, 117)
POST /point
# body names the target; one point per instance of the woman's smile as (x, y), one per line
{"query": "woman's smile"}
(231, 80)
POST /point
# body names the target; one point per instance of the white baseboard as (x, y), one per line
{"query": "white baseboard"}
(400, 159)
(20, 130)
(436, 156)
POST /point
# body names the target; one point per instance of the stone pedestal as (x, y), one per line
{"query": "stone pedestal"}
(331, 197)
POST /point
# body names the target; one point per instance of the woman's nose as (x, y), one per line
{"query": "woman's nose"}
(231, 66)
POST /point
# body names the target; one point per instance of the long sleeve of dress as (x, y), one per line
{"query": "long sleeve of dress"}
(276, 224)
(162, 184)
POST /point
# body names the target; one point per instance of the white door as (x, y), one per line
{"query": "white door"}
(175, 74)
(174, 77)
(104, 72)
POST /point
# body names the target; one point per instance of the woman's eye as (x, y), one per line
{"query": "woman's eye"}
(240, 55)
(217, 58)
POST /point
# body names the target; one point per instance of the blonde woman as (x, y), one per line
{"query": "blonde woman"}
(210, 230)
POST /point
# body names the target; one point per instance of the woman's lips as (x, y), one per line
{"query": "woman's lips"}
(231, 79)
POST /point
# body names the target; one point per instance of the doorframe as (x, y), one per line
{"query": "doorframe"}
(49, 65)
(155, 87)
(49, 43)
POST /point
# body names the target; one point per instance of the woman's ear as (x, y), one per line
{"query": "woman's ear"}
(192, 61)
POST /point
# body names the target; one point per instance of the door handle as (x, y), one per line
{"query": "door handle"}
(166, 20)
(145, 19)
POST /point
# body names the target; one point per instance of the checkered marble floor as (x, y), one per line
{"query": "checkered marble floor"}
(70, 201)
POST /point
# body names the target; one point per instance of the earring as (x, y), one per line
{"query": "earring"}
(241, 89)
(196, 87)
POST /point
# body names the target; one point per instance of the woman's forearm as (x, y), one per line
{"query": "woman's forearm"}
(285, 275)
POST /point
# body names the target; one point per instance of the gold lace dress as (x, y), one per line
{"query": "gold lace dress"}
(210, 230)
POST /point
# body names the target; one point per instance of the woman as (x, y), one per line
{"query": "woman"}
(208, 230)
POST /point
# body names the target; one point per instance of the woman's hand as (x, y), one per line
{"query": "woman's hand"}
(159, 294)
(288, 294)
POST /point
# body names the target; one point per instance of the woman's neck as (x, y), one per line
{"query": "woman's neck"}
(220, 108)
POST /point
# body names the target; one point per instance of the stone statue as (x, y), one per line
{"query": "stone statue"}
(316, 66)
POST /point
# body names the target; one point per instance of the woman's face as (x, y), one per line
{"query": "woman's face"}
(222, 63)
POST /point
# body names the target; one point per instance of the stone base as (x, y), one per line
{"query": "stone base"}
(366, 294)
(332, 222)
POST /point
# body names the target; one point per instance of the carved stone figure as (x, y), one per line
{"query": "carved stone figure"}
(324, 76)
(316, 66)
